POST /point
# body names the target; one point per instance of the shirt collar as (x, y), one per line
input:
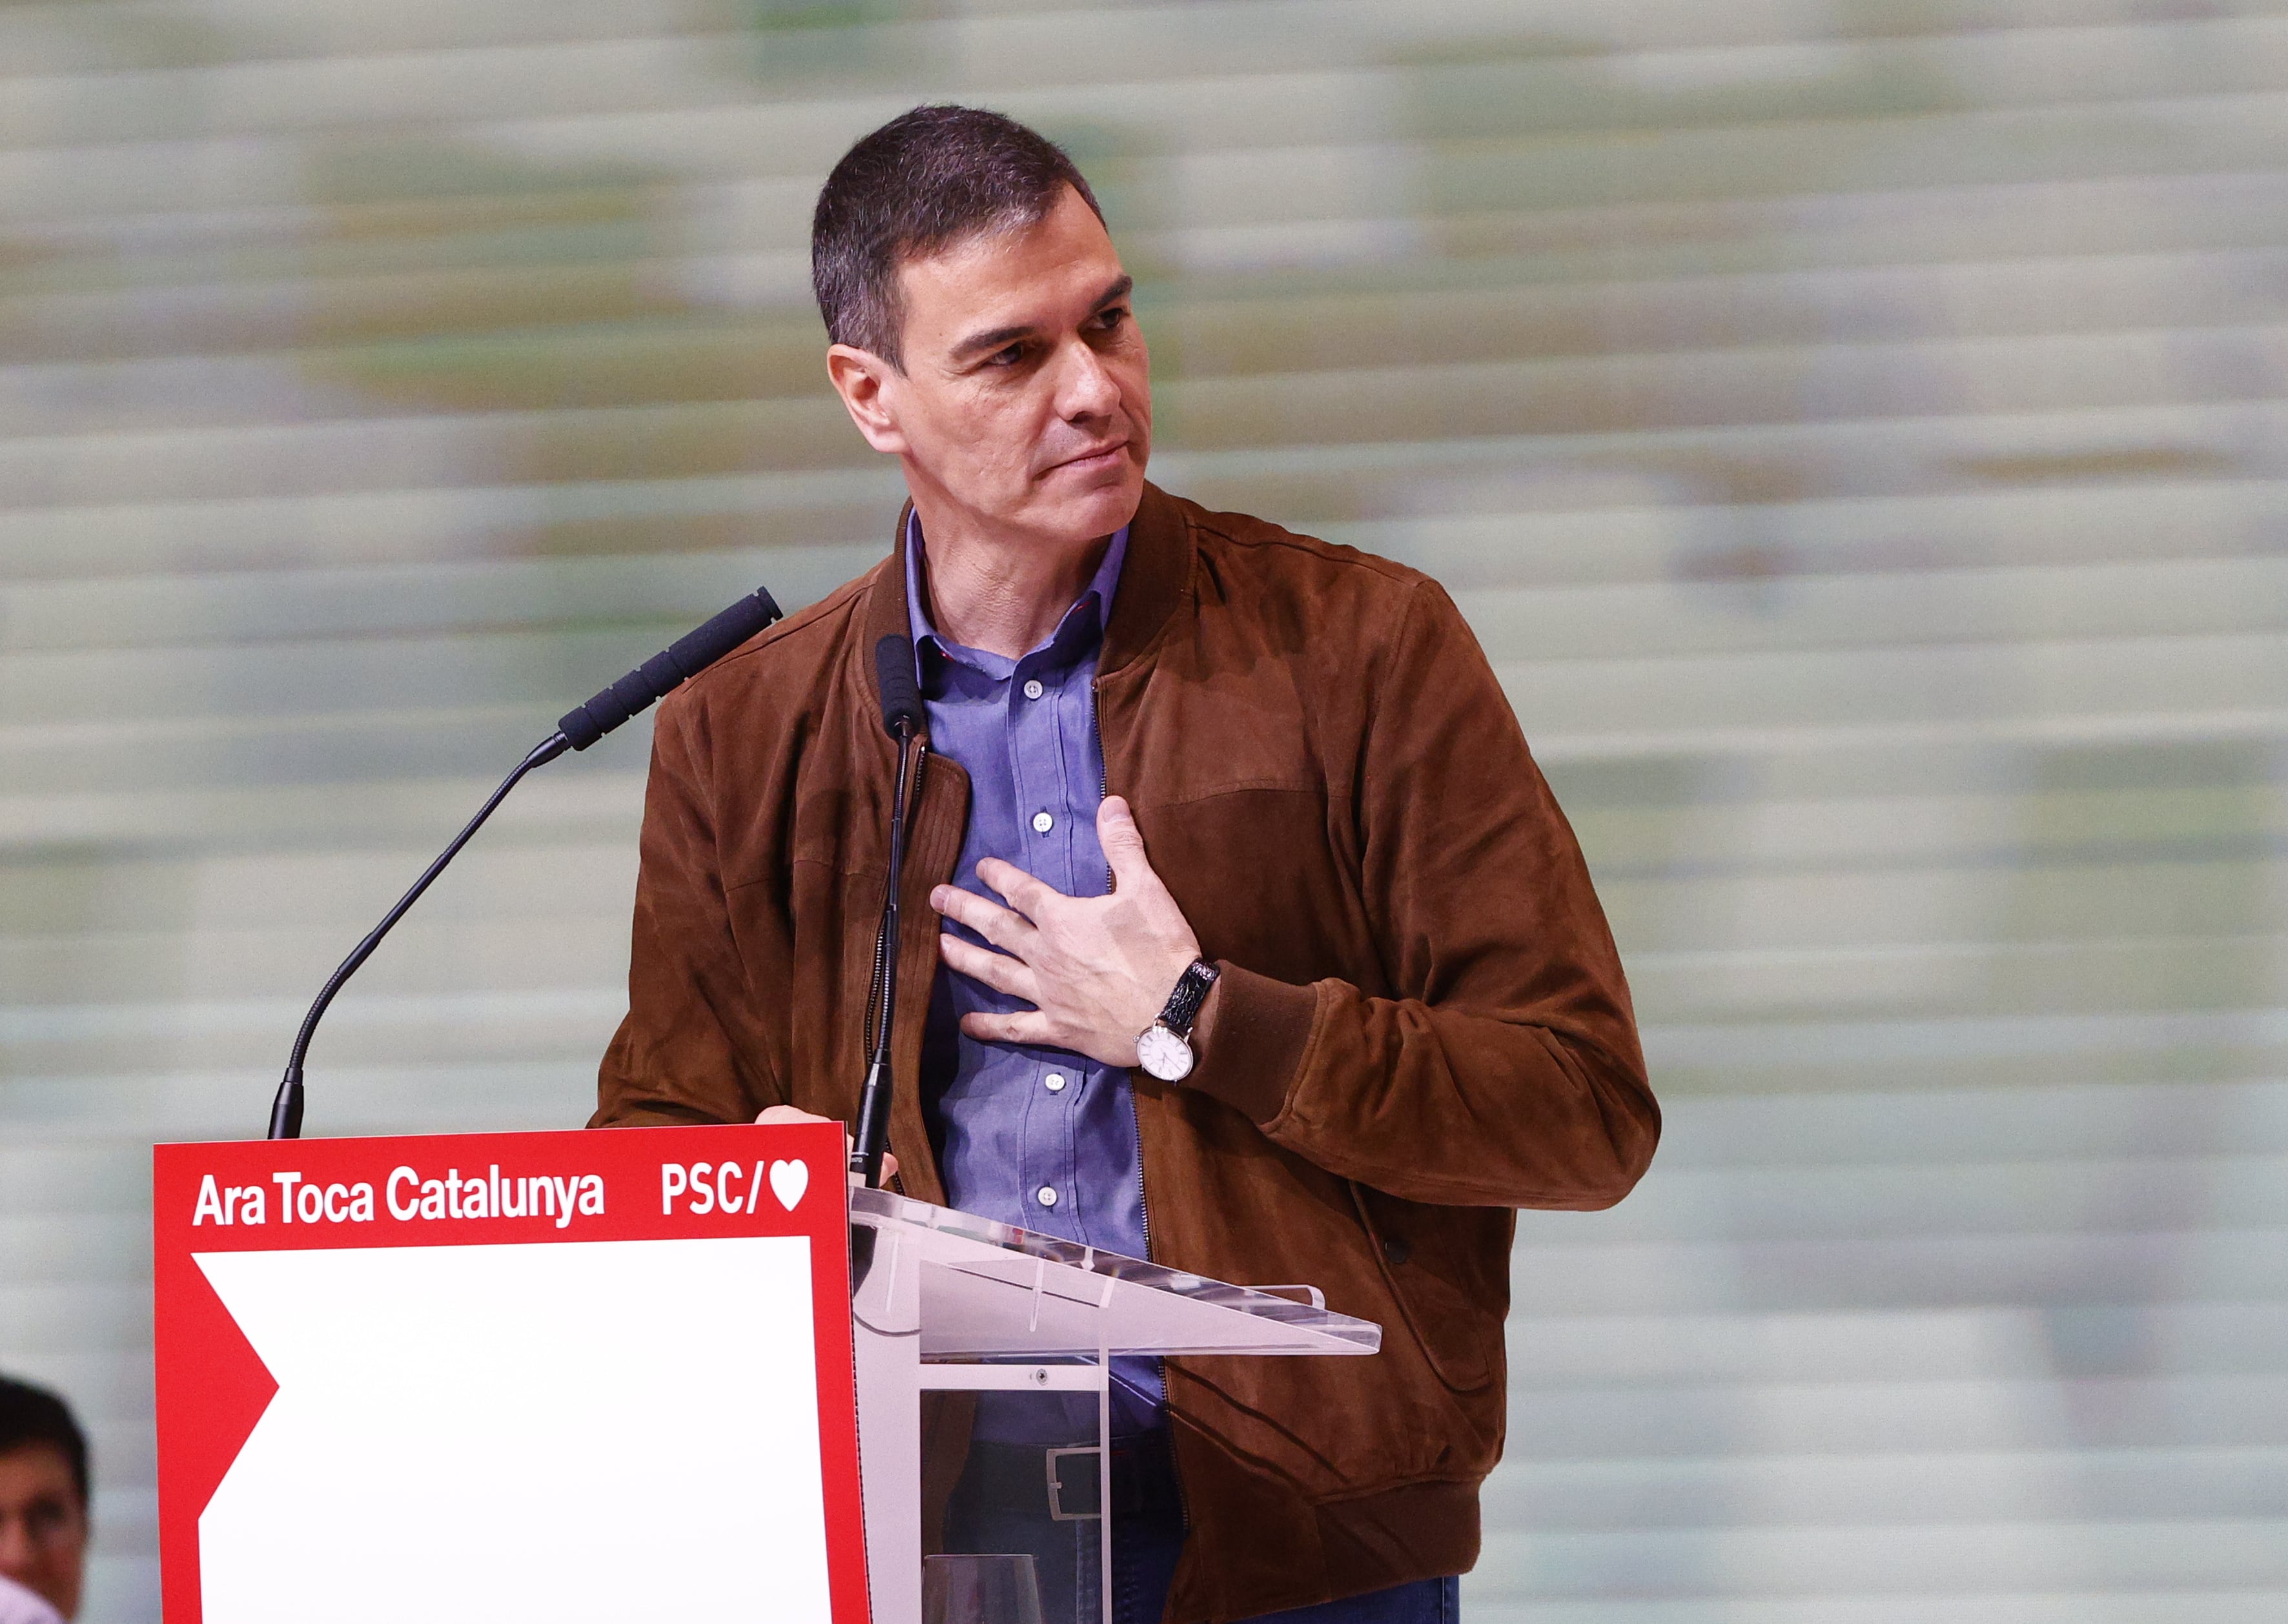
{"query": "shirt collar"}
(1083, 623)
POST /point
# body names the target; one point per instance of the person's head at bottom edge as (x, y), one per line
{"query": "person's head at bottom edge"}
(43, 1497)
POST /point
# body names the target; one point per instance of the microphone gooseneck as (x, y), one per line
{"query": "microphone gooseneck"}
(901, 719)
(654, 679)
(286, 1110)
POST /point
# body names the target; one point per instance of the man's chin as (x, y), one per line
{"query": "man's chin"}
(1091, 505)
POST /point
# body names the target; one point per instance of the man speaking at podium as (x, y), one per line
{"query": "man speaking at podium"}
(1265, 951)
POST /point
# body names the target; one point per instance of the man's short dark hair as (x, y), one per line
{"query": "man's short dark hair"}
(30, 1415)
(924, 180)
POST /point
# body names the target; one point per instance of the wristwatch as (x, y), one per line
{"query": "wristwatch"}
(1164, 1048)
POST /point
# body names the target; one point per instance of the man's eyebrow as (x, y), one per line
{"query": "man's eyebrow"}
(986, 342)
(1001, 337)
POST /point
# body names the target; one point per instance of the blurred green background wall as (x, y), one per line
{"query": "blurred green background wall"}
(1852, 425)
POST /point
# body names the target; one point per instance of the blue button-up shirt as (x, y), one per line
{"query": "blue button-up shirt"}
(1043, 1138)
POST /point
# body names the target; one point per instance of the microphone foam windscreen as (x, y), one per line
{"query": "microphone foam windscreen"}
(902, 697)
(663, 672)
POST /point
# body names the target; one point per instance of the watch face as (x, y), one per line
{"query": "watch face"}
(1163, 1054)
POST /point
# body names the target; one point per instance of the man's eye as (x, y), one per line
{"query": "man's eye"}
(1112, 317)
(1009, 357)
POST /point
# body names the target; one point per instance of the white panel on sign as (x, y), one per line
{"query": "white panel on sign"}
(606, 1430)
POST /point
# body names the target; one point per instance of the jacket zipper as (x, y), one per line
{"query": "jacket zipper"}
(1103, 789)
(1136, 1125)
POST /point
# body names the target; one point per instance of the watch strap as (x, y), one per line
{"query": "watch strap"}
(1183, 1007)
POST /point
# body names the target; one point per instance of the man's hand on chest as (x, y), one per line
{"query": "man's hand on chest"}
(1096, 970)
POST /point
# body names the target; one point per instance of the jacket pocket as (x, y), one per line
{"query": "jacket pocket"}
(1453, 1296)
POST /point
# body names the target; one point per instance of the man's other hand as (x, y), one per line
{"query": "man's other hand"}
(1096, 970)
(774, 1114)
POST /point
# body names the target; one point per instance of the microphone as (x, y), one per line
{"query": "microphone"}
(660, 675)
(901, 719)
(901, 696)
(654, 679)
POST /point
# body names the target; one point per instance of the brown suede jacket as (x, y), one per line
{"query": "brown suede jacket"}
(1421, 1025)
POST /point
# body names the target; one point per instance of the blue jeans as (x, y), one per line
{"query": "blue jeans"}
(1002, 1505)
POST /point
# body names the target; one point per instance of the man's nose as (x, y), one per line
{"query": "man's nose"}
(17, 1554)
(1086, 387)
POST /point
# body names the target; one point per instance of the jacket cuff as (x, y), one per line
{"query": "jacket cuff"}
(1251, 1059)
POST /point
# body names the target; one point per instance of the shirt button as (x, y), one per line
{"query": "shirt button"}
(1033, 689)
(1054, 1082)
(1046, 1196)
(1042, 823)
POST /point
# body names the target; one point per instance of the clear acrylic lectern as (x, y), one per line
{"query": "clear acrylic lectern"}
(955, 1303)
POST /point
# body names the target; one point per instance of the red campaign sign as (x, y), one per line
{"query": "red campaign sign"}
(569, 1375)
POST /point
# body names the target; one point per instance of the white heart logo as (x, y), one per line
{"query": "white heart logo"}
(788, 1180)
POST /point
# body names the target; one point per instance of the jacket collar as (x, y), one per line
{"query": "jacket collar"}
(1155, 574)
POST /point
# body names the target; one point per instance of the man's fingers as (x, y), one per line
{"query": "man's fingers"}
(1026, 894)
(857, 1181)
(997, 970)
(996, 924)
(1022, 1026)
(789, 1114)
(1123, 843)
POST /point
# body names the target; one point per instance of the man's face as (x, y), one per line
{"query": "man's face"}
(1024, 410)
(43, 1525)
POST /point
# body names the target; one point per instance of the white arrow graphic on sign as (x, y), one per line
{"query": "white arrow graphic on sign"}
(600, 1431)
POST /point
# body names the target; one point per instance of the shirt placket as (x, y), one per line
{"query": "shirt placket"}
(1036, 765)
(1066, 708)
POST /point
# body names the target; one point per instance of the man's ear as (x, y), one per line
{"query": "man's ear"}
(862, 379)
